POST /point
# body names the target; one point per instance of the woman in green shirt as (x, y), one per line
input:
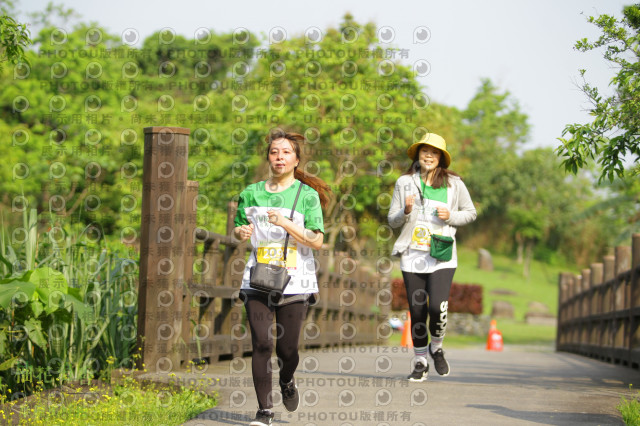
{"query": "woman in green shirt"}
(264, 211)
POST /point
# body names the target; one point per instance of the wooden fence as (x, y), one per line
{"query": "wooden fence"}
(599, 310)
(190, 277)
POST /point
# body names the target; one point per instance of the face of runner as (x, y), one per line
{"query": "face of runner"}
(429, 158)
(282, 157)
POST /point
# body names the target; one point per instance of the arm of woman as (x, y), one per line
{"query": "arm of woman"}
(397, 214)
(308, 237)
(466, 212)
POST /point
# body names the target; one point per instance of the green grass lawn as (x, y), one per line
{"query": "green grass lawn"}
(120, 401)
(542, 286)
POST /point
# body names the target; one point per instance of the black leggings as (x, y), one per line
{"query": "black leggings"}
(289, 320)
(428, 294)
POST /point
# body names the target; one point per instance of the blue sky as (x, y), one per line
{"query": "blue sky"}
(524, 47)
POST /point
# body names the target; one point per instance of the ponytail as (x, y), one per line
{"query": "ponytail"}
(323, 190)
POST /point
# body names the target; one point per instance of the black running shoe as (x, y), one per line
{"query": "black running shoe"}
(263, 418)
(420, 373)
(290, 396)
(441, 364)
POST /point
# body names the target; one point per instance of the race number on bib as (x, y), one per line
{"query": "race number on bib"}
(420, 238)
(273, 253)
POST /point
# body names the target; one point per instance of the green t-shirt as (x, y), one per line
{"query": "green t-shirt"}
(255, 195)
(435, 194)
(268, 239)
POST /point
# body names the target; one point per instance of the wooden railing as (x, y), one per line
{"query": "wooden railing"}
(599, 310)
(188, 294)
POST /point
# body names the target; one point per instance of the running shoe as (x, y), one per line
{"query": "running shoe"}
(290, 396)
(441, 364)
(263, 418)
(420, 373)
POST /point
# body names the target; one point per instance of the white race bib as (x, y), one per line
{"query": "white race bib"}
(420, 237)
(273, 253)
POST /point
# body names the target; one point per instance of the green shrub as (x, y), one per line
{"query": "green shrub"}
(630, 410)
(67, 306)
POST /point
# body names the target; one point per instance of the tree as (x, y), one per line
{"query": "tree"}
(493, 129)
(14, 38)
(540, 194)
(358, 106)
(75, 120)
(614, 132)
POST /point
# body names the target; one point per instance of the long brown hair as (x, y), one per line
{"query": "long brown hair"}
(324, 192)
(440, 174)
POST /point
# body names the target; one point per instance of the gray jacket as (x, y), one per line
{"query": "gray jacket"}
(461, 208)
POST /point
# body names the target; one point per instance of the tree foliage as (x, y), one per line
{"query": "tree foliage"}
(14, 39)
(614, 133)
(74, 120)
(493, 128)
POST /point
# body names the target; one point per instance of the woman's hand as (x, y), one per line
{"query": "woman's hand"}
(408, 203)
(243, 233)
(443, 213)
(302, 235)
(275, 217)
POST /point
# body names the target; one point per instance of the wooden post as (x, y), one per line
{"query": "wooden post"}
(188, 312)
(596, 281)
(622, 264)
(634, 352)
(608, 274)
(162, 246)
(564, 281)
(621, 295)
(609, 271)
(635, 276)
(569, 295)
(585, 305)
(575, 308)
(597, 295)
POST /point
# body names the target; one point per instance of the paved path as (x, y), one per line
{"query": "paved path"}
(367, 386)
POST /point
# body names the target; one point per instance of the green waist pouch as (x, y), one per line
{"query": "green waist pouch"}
(441, 247)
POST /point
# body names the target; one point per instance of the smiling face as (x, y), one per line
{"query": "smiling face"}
(429, 158)
(282, 157)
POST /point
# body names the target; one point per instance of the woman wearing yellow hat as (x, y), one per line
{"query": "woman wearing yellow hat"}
(429, 203)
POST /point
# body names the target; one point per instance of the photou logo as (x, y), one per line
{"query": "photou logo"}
(386, 34)
(130, 36)
(277, 35)
(237, 399)
(421, 34)
(346, 398)
(313, 35)
(422, 68)
(346, 364)
(310, 364)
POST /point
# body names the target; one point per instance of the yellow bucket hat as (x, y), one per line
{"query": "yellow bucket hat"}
(434, 140)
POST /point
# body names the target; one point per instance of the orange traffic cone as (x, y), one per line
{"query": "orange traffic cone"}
(406, 340)
(494, 340)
